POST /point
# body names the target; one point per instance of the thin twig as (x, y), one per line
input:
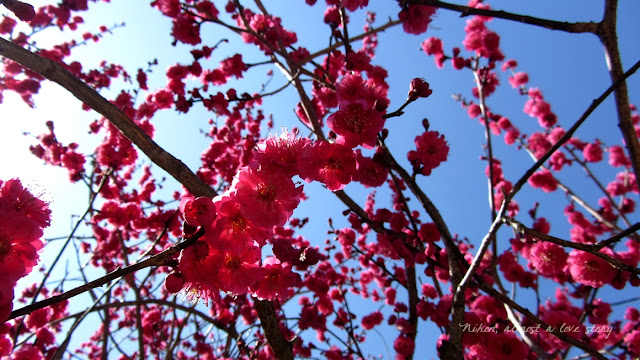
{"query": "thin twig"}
(577, 27)
(155, 260)
(592, 249)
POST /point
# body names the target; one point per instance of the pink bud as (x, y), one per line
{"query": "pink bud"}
(174, 282)
(418, 88)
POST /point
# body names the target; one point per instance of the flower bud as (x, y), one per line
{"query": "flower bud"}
(418, 88)
(174, 282)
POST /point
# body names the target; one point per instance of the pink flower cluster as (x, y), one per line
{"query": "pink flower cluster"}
(431, 150)
(55, 153)
(22, 218)
(239, 222)
(358, 120)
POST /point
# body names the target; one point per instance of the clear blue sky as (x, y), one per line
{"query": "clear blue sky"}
(569, 69)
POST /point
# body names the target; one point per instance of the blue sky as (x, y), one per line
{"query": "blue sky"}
(569, 69)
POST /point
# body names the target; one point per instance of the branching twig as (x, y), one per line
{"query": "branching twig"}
(592, 249)
(156, 260)
(594, 104)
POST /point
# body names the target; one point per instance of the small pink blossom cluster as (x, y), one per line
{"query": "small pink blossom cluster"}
(501, 186)
(358, 121)
(22, 218)
(486, 335)
(53, 152)
(352, 93)
(431, 150)
(416, 18)
(268, 30)
(41, 325)
(485, 42)
(25, 82)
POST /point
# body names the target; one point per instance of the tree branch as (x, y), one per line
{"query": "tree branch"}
(609, 38)
(58, 74)
(592, 249)
(577, 27)
(155, 260)
(594, 104)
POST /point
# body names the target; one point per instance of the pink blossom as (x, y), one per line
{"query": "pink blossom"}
(506, 346)
(353, 5)
(590, 270)
(19, 245)
(27, 352)
(429, 233)
(416, 18)
(600, 312)
(199, 211)
(207, 9)
(199, 270)
(548, 258)
(372, 320)
(356, 124)
(617, 157)
(186, 30)
(544, 180)
(5, 343)
(432, 46)
(632, 340)
(332, 164)
(174, 282)
(16, 200)
(238, 268)
(278, 281)
(593, 152)
(282, 153)
(233, 66)
(431, 151)
(352, 88)
(266, 199)
(518, 79)
(369, 172)
(170, 8)
(233, 225)
(404, 345)
(418, 88)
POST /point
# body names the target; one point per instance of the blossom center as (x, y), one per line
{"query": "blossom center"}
(266, 192)
(238, 223)
(233, 262)
(5, 247)
(334, 164)
(353, 118)
(591, 266)
(201, 209)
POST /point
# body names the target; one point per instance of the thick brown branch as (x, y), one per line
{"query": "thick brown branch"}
(281, 347)
(609, 38)
(58, 74)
